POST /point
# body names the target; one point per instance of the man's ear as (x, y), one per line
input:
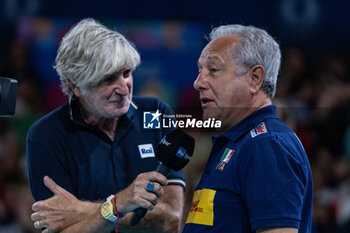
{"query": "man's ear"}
(257, 76)
(75, 89)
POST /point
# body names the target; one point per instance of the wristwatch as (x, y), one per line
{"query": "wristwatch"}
(107, 210)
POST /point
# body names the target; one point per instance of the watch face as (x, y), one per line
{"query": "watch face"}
(106, 209)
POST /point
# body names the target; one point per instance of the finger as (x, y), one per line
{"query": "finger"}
(37, 206)
(154, 201)
(50, 184)
(146, 204)
(40, 224)
(158, 189)
(37, 225)
(47, 230)
(157, 177)
(35, 216)
(43, 224)
(151, 197)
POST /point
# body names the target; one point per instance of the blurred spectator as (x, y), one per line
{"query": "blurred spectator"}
(9, 155)
(332, 112)
(20, 202)
(15, 197)
(297, 78)
(156, 88)
(294, 97)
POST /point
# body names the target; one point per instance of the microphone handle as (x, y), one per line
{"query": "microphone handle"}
(141, 212)
(163, 169)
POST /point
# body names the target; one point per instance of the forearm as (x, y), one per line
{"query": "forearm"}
(161, 219)
(157, 220)
(94, 223)
(165, 217)
(154, 221)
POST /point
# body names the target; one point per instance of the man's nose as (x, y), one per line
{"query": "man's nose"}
(200, 83)
(121, 86)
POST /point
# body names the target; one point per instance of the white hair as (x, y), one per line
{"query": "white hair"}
(256, 47)
(90, 52)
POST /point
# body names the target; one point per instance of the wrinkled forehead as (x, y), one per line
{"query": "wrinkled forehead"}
(220, 48)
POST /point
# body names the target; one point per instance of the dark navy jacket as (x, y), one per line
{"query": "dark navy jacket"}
(83, 160)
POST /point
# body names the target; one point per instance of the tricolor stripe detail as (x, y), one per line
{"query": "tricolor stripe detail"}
(177, 181)
(134, 105)
(227, 155)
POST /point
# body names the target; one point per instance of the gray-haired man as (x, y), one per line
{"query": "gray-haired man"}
(94, 146)
(257, 178)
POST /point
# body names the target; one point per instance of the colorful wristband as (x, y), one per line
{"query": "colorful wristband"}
(119, 215)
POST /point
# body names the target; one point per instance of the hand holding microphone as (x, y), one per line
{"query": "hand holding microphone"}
(174, 152)
(137, 193)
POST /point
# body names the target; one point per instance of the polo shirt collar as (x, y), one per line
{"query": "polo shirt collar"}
(74, 112)
(268, 112)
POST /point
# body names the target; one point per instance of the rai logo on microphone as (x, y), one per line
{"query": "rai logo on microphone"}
(151, 120)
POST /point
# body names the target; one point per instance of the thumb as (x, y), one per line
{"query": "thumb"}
(50, 184)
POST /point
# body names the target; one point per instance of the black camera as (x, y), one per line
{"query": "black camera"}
(8, 92)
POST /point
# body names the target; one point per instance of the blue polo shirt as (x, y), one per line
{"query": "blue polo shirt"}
(84, 160)
(257, 176)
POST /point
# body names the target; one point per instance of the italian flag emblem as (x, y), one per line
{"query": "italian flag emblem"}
(227, 155)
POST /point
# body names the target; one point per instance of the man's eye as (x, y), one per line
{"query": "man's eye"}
(126, 73)
(200, 70)
(110, 79)
(213, 70)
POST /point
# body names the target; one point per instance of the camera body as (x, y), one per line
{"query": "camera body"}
(8, 92)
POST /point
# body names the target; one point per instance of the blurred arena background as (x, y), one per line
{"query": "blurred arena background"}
(313, 94)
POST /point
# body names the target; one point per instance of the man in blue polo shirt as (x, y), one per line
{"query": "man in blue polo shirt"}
(95, 148)
(257, 177)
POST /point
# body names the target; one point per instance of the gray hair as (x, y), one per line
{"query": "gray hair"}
(256, 47)
(90, 52)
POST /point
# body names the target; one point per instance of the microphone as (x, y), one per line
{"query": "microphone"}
(174, 152)
(8, 93)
